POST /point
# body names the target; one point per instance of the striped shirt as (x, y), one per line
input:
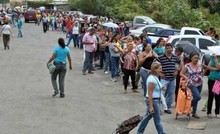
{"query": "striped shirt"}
(169, 65)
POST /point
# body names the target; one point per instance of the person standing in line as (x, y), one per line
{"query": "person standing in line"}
(90, 42)
(169, 63)
(192, 72)
(59, 56)
(129, 67)
(146, 58)
(6, 31)
(214, 67)
(152, 99)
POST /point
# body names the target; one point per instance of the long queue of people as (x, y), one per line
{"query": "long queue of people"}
(159, 67)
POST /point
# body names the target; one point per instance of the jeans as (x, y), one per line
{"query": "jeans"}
(171, 85)
(211, 97)
(61, 71)
(115, 66)
(20, 32)
(144, 75)
(196, 96)
(70, 38)
(76, 40)
(148, 116)
(88, 61)
(107, 63)
(80, 40)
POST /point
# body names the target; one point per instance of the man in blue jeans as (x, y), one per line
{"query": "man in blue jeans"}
(169, 73)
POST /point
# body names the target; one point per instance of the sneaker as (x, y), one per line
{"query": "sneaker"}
(195, 115)
(210, 116)
(217, 116)
(90, 72)
(168, 111)
(113, 79)
(55, 93)
(62, 95)
(106, 72)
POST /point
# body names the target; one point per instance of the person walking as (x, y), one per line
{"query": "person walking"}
(45, 21)
(152, 100)
(214, 67)
(60, 53)
(192, 72)
(6, 31)
(19, 25)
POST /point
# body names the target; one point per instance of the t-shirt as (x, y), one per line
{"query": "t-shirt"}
(154, 79)
(61, 54)
(159, 50)
(214, 75)
(6, 29)
(168, 66)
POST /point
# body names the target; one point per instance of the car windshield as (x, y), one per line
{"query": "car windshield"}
(202, 32)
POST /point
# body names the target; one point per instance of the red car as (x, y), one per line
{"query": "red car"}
(30, 16)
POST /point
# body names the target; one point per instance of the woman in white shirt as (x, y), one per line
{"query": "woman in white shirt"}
(6, 32)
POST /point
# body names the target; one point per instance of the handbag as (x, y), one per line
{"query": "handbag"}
(216, 87)
(126, 126)
(51, 67)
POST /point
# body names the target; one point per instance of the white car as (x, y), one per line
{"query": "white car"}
(151, 29)
(200, 41)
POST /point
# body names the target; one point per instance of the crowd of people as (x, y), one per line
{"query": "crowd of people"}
(112, 50)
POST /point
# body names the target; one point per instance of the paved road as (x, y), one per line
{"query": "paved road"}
(93, 104)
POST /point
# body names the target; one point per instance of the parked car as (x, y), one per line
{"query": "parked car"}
(167, 32)
(136, 27)
(191, 31)
(151, 29)
(30, 16)
(142, 20)
(200, 41)
(74, 12)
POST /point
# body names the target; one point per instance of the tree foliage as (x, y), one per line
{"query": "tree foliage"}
(177, 13)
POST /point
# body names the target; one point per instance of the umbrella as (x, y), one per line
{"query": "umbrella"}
(188, 47)
(110, 24)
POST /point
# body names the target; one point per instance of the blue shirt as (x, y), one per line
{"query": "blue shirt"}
(159, 50)
(112, 52)
(149, 40)
(61, 53)
(158, 86)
